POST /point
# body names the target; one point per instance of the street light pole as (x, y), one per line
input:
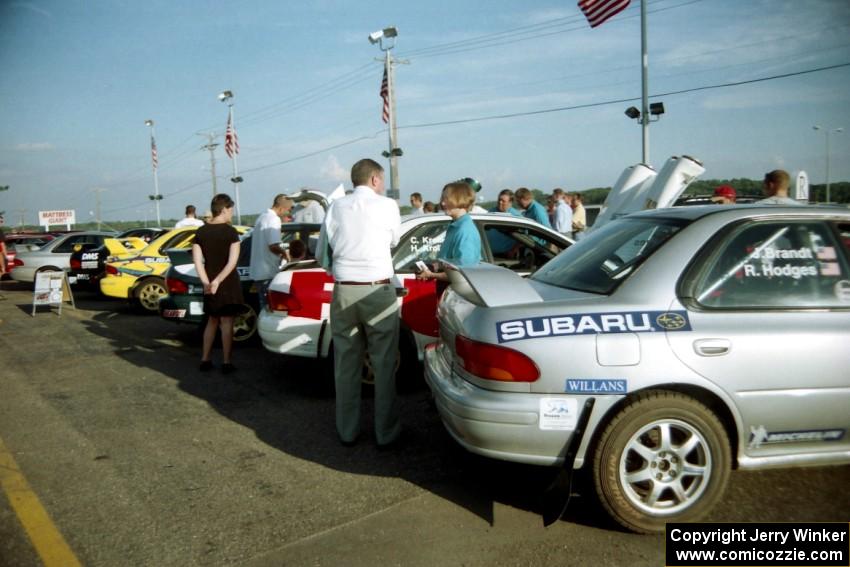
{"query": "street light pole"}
(393, 151)
(644, 72)
(827, 131)
(227, 98)
(155, 161)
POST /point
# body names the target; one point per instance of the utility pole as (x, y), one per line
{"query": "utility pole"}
(156, 197)
(97, 192)
(211, 147)
(393, 152)
(21, 213)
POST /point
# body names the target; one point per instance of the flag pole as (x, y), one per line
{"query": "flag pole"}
(644, 115)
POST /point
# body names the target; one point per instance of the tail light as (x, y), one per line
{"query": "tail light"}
(493, 362)
(176, 287)
(76, 264)
(17, 262)
(280, 301)
(111, 270)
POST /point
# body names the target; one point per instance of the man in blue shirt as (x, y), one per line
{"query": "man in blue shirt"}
(531, 208)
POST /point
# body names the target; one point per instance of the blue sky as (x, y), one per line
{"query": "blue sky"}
(80, 78)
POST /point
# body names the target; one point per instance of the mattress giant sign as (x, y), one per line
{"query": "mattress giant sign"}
(47, 218)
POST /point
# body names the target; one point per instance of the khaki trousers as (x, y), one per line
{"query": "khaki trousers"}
(365, 318)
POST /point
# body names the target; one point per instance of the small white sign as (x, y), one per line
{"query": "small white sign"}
(558, 413)
(801, 189)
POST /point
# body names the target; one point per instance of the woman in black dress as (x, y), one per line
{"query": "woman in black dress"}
(215, 253)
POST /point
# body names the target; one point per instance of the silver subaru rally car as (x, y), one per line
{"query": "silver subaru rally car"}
(689, 342)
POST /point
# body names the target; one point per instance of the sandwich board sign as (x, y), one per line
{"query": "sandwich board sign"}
(51, 288)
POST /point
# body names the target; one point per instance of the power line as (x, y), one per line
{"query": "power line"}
(517, 115)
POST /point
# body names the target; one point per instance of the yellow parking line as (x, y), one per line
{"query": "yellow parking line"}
(45, 537)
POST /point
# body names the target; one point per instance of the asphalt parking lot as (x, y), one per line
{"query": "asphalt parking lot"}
(139, 459)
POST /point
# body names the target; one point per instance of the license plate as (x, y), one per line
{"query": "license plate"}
(196, 308)
(174, 313)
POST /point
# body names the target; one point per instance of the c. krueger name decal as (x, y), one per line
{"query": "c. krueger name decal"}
(592, 323)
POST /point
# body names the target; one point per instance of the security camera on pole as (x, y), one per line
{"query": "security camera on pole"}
(388, 95)
(231, 147)
(156, 197)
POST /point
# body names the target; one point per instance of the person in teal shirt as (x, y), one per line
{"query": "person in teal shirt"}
(531, 208)
(462, 245)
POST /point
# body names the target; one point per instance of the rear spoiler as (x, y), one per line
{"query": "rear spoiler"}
(491, 286)
(115, 247)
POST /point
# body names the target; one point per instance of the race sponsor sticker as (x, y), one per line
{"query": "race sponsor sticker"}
(174, 313)
(196, 308)
(558, 413)
(81, 277)
(592, 323)
(88, 265)
(842, 291)
(596, 386)
(761, 436)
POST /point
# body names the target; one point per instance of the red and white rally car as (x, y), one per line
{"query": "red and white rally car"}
(297, 319)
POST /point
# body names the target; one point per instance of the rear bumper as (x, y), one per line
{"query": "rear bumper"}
(23, 274)
(117, 286)
(500, 425)
(296, 336)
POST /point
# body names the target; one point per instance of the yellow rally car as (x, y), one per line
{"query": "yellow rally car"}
(142, 279)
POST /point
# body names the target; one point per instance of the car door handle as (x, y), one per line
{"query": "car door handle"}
(712, 347)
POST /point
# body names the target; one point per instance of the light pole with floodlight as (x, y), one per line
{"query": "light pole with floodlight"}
(156, 197)
(231, 147)
(394, 151)
(827, 131)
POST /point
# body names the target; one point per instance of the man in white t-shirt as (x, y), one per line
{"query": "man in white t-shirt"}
(190, 219)
(416, 204)
(776, 185)
(266, 248)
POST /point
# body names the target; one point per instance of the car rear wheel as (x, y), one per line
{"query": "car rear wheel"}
(149, 292)
(664, 457)
(245, 325)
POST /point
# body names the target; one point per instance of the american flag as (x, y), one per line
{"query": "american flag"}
(231, 141)
(153, 153)
(598, 12)
(385, 94)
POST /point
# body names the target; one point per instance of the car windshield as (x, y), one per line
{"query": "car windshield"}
(603, 260)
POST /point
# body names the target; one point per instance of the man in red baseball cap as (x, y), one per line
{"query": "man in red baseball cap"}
(725, 195)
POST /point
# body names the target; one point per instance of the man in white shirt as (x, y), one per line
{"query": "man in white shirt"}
(359, 231)
(266, 248)
(563, 213)
(190, 219)
(776, 188)
(416, 204)
(311, 213)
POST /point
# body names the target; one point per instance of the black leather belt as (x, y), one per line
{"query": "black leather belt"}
(378, 282)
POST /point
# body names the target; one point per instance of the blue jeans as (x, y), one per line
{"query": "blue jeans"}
(262, 290)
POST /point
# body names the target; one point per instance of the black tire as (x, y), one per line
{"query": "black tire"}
(148, 294)
(664, 457)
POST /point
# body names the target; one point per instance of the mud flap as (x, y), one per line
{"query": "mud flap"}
(557, 496)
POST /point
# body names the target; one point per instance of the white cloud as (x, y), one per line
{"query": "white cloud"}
(34, 147)
(32, 8)
(333, 171)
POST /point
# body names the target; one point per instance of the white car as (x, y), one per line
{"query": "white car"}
(296, 322)
(55, 255)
